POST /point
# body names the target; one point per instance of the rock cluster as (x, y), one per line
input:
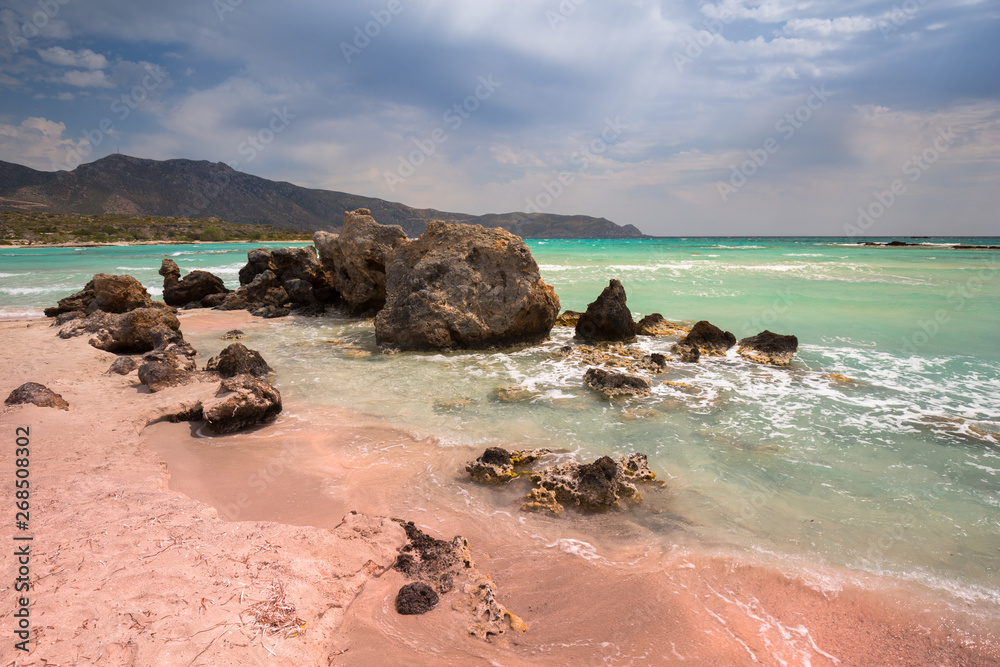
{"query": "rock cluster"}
(442, 566)
(122, 333)
(36, 394)
(106, 293)
(276, 282)
(704, 339)
(464, 286)
(497, 464)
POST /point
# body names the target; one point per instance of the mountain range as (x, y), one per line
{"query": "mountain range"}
(121, 184)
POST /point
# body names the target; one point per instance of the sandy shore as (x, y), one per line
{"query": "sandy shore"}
(152, 547)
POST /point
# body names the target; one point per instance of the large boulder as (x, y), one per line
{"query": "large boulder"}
(357, 258)
(162, 369)
(464, 286)
(707, 339)
(111, 294)
(769, 348)
(238, 359)
(275, 282)
(190, 289)
(242, 401)
(123, 333)
(36, 394)
(608, 318)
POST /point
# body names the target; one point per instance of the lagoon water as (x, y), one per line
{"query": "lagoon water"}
(872, 453)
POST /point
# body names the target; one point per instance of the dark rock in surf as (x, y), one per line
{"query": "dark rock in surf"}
(707, 339)
(607, 318)
(238, 359)
(612, 383)
(769, 348)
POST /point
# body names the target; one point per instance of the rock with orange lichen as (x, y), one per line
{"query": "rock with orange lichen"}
(601, 485)
(497, 465)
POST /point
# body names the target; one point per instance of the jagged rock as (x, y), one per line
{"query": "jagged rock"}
(36, 394)
(608, 318)
(124, 365)
(242, 401)
(499, 465)
(568, 318)
(601, 485)
(111, 294)
(192, 288)
(357, 258)
(69, 316)
(617, 355)
(239, 359)
(233, 334)
(126, 333)
(612, 383)
(166, 339)
(443, 566)
(299, 291)
(161, 369)
(464, 286)
(214, 300)
(258, 261)
(656, 325)
(686, 353)
(769, 348)
(416, 598)
(708, 339)
(296, 264)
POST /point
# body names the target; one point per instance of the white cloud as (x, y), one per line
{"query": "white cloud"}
(66, 58)
(92, 79)
(37, 142)
(842, 25)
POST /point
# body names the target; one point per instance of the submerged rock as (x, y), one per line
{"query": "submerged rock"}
(513, 393)
(601, 485)
(36, 394)
(612, 383)
(357, 258)
(238, 359)
(769, 348)
(607, 318)
(499, 465)
(233, 334)
(190, 289)
(707, 339)
(242, 401)
(464, 286)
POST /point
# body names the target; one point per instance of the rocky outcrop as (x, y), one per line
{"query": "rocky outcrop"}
(463, 286)
(497, 464)
(357, 259)
(608, 318)
(241, 402)
(612, 383)
(446, 566)
(36, 394)
(238, 359)
(125, 333)
(601, 485)
(192, 288)
(707, 339)
(275, 283)
(111, 294)
(568, 318)
(769, 348)
(656, 325)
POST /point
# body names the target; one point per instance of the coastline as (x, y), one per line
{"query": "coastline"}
(129, 567)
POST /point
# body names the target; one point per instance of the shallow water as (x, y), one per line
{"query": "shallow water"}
(892, 472)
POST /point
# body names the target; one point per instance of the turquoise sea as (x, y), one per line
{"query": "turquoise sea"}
(889, 467)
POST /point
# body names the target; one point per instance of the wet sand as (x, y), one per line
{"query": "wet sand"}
(151, 549)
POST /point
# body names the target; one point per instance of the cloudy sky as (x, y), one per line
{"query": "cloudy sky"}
(735, 117)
